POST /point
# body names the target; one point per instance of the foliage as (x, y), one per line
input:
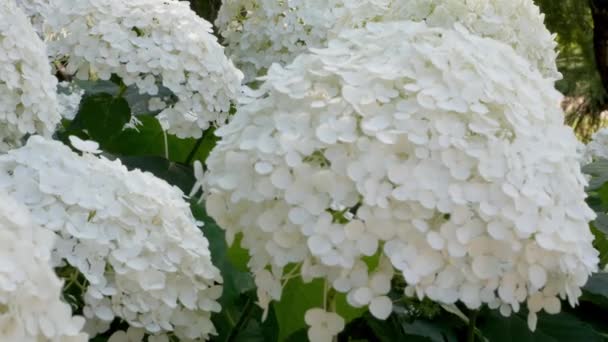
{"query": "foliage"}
(571, 21)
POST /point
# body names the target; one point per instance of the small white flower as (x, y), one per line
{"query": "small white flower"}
(323, 325)
(88, 146)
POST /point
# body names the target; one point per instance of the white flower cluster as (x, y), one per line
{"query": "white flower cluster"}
(28, 102)
(436, 149)
(129, 233)
(30, 292)
(146, 42)
(261, 32)
(323, 325)
(598, 146)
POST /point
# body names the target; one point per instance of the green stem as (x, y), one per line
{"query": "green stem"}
(472, 323)
(121, 90)
(243, 320)
(195, 149)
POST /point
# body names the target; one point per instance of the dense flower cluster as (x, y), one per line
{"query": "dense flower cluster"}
(441, 152)
(30, 292)
(28, 102)
(129, 233)
(261, 32)
(147, 43)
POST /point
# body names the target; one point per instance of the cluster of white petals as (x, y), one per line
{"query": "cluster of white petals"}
(28, 101)
(440, 151)
(31, 309)
(598, 146)
(324, 326)
(261, 32)
(130, 234)
(148, 43)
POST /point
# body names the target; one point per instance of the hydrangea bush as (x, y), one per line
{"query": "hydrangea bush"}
(392, 170)
(150, 44)
(437, 149)
(30, 292)
(261, 32)
(135, 241)
(28, 101)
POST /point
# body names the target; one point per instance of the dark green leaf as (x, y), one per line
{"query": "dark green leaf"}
(148, 139)
(601, 222)
(174, 173)
(238, 286)
(562, 327)
(596, 290)
(600, 242)
(103, 116)
(296, 299)
(599, 173)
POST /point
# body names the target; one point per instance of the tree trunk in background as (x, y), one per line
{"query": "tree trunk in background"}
(599, 9)
(205, 8)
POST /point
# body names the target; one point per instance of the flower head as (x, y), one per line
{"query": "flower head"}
(28, 100)
(130, 234)
(148, 43)
(440, 151)
(30, 292)
(261, 32)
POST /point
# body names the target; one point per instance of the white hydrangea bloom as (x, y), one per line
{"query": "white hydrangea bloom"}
(324, 326)
(598, 146)
(129, 233)
(28, 102)
(147, 43)
(30, 292)
(261, 32)
(440, 150)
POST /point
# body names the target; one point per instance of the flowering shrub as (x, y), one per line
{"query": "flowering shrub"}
(147, 42)
(30, 292)
(432, 147)
(135, 241)
(261, 32)
(393, 170)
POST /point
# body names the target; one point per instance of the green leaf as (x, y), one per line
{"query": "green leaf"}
(103, 116)
(238, 286)
(147, 139)
(239, 257)
(599, 173)
(600, 242)
(601, 222)
(298, 297)
(432, 331)
(596, 290)
(550, 328)
(174, 173)
(392, 330)
(138, 102)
